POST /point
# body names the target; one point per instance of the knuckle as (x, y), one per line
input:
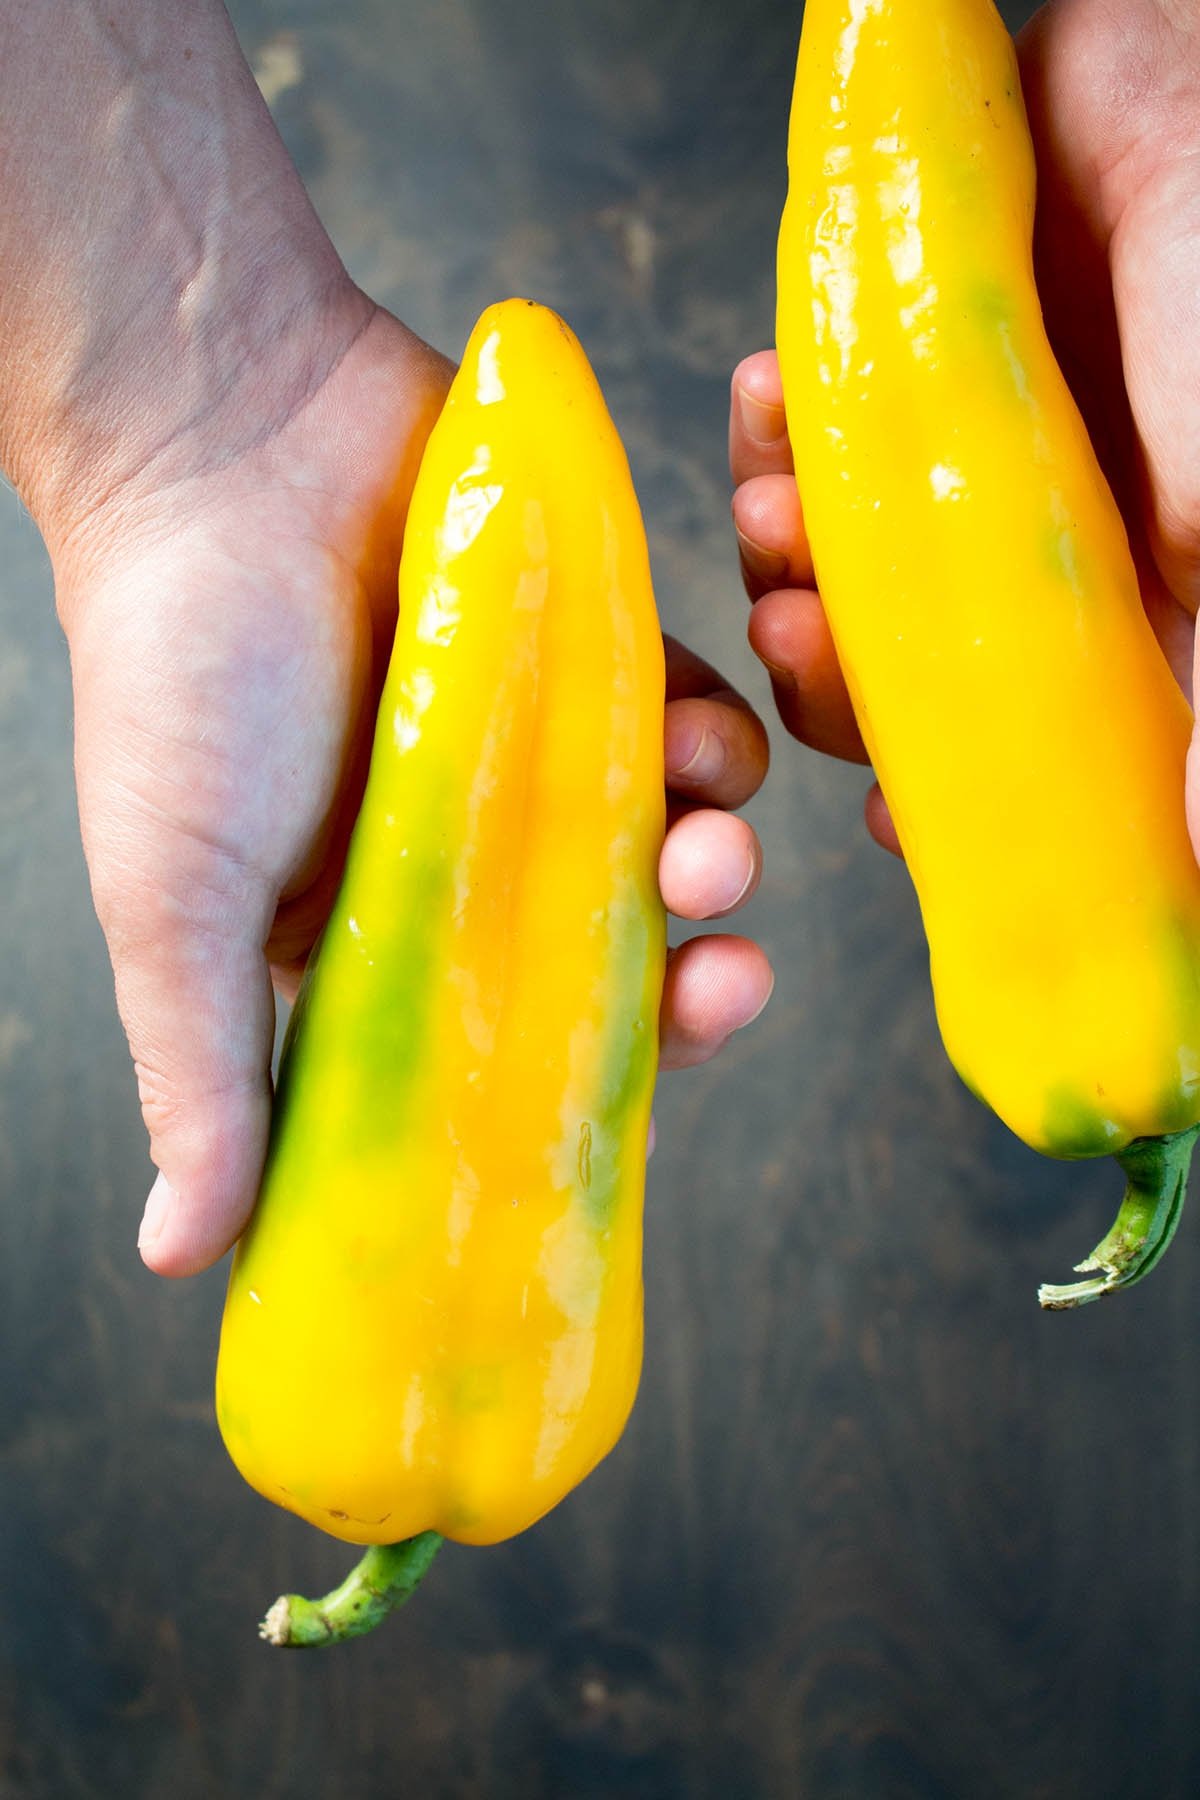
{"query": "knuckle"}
(173, 896)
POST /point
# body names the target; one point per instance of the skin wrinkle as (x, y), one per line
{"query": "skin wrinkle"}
(1148, 110)
(146, 483)
(161, 1093)
(146, 812)
(146, 808)
(144, 916)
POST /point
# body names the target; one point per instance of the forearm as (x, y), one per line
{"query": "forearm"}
(157, 243)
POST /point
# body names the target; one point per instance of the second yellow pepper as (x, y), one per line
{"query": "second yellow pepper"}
(1024, 725)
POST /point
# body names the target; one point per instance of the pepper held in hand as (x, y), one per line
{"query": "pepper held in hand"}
(1023, 723)
(434, 1320)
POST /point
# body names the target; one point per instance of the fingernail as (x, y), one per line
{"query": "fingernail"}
(768, 565)
(762, 423)
(785, 677)
(731, 905)
(158, 1206)
(706, 761)
(651, 1138)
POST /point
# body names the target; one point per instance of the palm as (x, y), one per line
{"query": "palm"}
(1112, 95)
(232, 660)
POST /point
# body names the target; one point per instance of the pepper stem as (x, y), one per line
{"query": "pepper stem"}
(1156, 1174)
(382, 1581)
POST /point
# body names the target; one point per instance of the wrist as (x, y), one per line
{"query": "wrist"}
(192, 401)
(186, 300)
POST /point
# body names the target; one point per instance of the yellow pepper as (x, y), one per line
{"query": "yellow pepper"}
(434, 1321)
(1024, 725)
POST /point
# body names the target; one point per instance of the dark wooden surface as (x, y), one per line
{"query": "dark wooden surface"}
(878, 1528)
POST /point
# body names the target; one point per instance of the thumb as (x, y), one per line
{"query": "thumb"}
(185, 924)
(1156, 270)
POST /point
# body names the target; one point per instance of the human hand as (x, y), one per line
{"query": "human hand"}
(1114, 103)
(217, 433)
(228, 639)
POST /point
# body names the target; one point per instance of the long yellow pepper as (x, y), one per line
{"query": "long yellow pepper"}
(434, 1321)
(1023, 723)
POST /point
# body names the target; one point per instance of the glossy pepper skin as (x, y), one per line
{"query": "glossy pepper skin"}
(1023, 723)
(434, 1320)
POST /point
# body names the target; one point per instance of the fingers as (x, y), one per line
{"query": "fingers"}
(767, 515)
(789, 632)
(788, 629)
(772, 542)
(710, 865)
(715, 745)
(714, 986)
(758, 441)
(879, 821)
(716, 757)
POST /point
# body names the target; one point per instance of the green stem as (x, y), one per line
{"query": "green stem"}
(382, 1581)
(1156, 1173)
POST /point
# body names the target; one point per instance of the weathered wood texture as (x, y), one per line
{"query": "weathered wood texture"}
(878, 1529)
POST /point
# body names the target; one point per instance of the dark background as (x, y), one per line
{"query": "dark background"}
(878, 1526)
